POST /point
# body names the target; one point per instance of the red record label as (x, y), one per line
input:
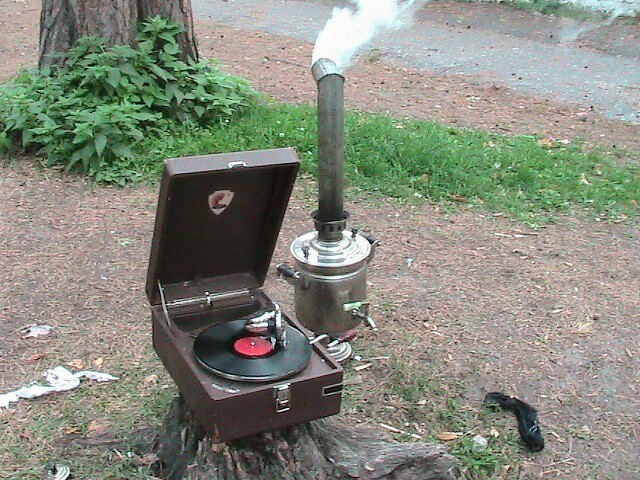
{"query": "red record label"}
(253, 347)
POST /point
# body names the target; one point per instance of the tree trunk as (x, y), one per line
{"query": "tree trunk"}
(63, 22)
(321, 450)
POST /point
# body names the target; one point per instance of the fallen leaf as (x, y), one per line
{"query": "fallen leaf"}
(97, 427)
(546, 142)
(557, 437)
(98, 362)
(458, 198)
(153, 378)
(77, 363)
(146, 460)
(36, 357)
(448, 436)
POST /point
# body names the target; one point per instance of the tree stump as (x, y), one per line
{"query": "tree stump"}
(319, 450)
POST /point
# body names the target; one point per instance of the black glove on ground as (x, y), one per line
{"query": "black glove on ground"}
(527, 418)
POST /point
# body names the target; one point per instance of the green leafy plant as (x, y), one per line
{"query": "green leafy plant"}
(88, 112)
(478, 463)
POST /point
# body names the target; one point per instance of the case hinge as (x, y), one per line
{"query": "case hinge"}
(282, 396)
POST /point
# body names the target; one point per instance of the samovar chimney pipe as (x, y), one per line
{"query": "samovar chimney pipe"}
(330, 218)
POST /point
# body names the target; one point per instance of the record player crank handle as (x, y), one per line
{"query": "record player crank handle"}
(318, 338)
(345, 337)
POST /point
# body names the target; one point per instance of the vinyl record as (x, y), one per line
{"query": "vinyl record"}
(214, 350)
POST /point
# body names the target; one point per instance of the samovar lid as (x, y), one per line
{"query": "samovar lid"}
(352, 249)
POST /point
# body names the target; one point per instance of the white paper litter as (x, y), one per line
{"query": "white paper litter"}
(96, 376)
(32, 331)
(59, 379)
(479, 443)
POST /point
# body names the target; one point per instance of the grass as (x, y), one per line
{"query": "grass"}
(108, 413)
(411, 159)
(407, 159)
(49, 426)
(559, 8)
(404, 389)
(407, 393)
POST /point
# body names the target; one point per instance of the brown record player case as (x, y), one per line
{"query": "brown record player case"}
(217, 223)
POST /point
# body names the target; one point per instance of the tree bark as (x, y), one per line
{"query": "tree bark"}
(63, 22)
(321, 450)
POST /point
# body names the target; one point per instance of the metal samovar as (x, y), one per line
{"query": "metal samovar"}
(330, 272)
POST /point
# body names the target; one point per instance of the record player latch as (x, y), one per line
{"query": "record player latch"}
(282, 396)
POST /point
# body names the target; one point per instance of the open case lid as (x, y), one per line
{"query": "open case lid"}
(217, 222)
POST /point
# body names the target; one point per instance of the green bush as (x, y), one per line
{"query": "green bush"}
(89, 112)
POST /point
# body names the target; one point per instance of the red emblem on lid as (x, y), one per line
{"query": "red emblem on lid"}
(220, 200)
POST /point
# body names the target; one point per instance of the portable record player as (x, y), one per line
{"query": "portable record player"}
(241, 364)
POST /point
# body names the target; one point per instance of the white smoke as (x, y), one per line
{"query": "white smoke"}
(347, 30)
(575, 29)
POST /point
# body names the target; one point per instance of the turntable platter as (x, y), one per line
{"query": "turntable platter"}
(227, 350)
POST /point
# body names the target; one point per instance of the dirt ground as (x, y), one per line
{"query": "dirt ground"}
(475, 300)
